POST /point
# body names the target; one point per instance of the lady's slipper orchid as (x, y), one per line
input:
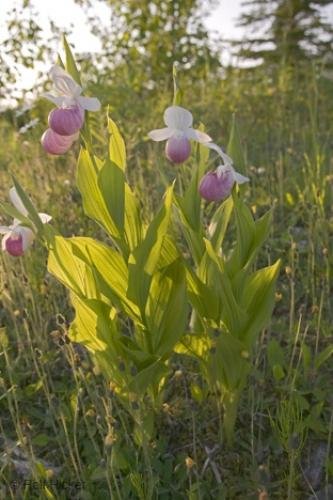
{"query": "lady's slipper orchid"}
(67, 93)
(56, 144)
(66, 121)
(178, 133)
(18, 238)
(217, 185)
(227, 162)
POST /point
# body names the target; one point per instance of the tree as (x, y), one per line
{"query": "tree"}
(153, 34)
(291, 30)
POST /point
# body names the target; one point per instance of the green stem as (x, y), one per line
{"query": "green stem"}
(291, 475)
(230, 402)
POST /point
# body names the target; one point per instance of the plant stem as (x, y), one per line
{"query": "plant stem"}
(291, 474)
(230, 402)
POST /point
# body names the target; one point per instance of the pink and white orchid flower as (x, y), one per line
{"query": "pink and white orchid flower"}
(227, 163)
(56, 144)
(68, 118)
(178, 133)
(18, 238)
(217, 185)
(67, 93)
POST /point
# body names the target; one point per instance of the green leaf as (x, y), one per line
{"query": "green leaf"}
(189, 205)
(323, 356)
(194, 241)
(117, 149)
(13, 212)
(203, 157)
(306, 357)
(251, 235)
(70, 64)
(258, 300)
(232, 314)
(245, 235)
(32, 212)
(278, 372)
(169, 252)
(203, 298)
(92, 270)
(94, 327)
(144, 259)
(111, 182)
(234, 148)
(275, 354)
(262, 228)
(69, 269)
(93, 202)
(133, 225)
(228, 363)
(219, 223)
(109, 200)
(194, 345)
(177, 93)
(110, 272)
(166, 311)
(152, 373)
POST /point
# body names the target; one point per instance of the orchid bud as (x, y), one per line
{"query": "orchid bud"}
(178, 149)
(56, 144)
(14, 244)
(66, 121)
(215, 186)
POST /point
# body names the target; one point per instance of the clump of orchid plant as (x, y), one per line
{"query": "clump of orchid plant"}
(67, 119)
(143, 275)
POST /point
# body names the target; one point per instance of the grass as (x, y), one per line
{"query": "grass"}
(60, 421)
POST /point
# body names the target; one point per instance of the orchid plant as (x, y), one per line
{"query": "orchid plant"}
(178, 133)
(19, 237)
(67, 119)
(143, 277)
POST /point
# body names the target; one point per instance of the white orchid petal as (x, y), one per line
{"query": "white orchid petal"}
(28, 237)
(17, 202)
(4, 229)
(3, 242)
(179, 118)
(45, 218)
(197, 135)
(64, 83)
(89, 103)
(57, 100)
(226, 159)
(216, 148)
(160, 134)
(221, 169)
(240, 179)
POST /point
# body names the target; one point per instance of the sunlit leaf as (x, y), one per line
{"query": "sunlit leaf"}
(144, 260)
(166, 311)
(70, 64)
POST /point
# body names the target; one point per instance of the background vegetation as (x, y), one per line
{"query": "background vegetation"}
(58, 418)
